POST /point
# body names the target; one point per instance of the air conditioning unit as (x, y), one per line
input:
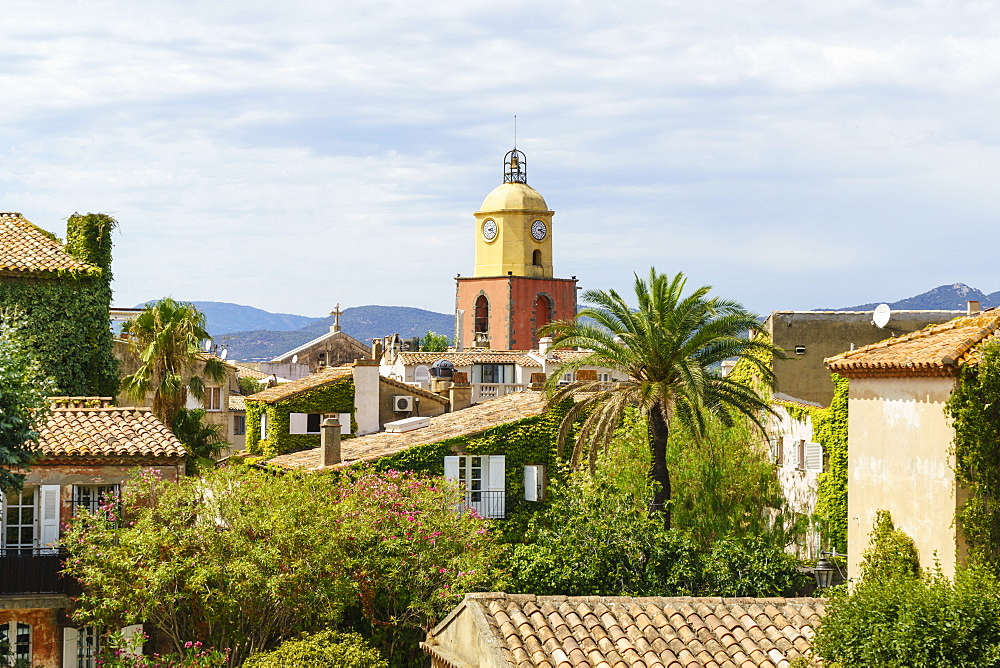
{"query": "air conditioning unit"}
(402, 404)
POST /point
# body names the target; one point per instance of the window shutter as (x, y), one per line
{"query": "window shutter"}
(814, 457)
(49, 511)
(773, 443)
(298, 423)
(345, 423)
(496, 482)
(133, 639)
(70, 639)
(533, 477)
(451, 468)
(263, 424)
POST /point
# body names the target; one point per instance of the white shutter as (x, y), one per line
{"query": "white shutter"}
(298, 423)
(263, 424)
(70, 639)
(49, 514)
(814, 457)
(773, 443)
(345, 423)
(451, 468)
(133, 639)
(496, 482)
(533, 477)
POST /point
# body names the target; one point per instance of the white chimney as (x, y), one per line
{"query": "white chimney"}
(544, 344)
(972, 307)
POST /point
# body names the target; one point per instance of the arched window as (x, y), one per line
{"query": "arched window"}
(536, 258)
(421, 374)
(482, 324)
(543, 311)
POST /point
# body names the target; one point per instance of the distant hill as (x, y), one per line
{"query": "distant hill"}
(944, 297)
(364, 323)
(225, 317)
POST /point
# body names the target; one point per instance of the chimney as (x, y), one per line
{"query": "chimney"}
(329, 442)
(544, 344)
(972, 307)
(377, 346)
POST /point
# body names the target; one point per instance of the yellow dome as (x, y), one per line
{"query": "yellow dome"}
(516, 196)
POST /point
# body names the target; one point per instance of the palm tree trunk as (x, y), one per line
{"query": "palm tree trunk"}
(658, 433)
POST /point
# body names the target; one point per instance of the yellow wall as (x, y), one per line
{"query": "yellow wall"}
(514, 207)
(898, 460)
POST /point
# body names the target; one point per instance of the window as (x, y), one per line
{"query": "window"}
(543, 311)
(482, 316)
(239, 424)
(800, 452)
(604, 377)
(483, 480)
(493, 373)
(421, 374)
(88, 646)
(19, 520)
(534, 482)
(92, 497)
(213, 399)
(18, 637)
(303, 423)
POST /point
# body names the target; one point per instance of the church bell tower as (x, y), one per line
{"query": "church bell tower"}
(512, 292)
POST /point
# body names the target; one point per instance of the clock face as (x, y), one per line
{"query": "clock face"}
(490, 230)
(538, 230)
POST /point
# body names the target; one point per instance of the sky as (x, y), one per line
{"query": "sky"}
(294, 155)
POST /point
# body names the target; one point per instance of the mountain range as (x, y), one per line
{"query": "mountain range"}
(946, 297)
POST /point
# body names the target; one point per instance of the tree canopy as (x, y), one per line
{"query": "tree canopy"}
(670, 346)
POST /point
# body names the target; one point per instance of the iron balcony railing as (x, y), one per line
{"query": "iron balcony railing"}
(487, 504)
(34, 571)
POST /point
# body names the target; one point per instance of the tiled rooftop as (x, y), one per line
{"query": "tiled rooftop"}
(89, 428)
(625, 632)
(324, 376)
(472, 420)
(518, 357)
(25, 249)
(237, 402)
(938, 350)
(412, 389)
(363, 350)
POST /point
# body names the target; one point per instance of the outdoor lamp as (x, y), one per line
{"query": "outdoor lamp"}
(824, 573)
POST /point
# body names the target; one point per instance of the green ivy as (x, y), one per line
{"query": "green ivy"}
(830, 430)
(337, 397)
(62, 317)
(974, 408)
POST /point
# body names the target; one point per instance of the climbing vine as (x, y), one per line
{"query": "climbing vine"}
(974, 407)
(830, 430)
(336, 397)
(62, 317)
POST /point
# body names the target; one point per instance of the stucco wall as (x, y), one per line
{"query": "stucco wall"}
(898, 460)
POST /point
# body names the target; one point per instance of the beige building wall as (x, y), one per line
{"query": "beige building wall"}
(898, 460)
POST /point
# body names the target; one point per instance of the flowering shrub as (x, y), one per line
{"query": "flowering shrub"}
(195, 655)
(244, 559)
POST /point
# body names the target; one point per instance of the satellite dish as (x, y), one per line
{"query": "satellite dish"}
(881, 316)
(208, 345)
(295, 359)
(224, 354)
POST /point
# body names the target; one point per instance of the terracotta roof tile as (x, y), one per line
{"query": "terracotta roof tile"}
(323, 377)
(237, 402)
(412, 389)
(26, 249)
(472, 420)
(89, 428)
(647, 632)
(519, 357)
(938, 350)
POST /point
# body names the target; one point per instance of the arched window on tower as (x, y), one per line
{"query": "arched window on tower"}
(543, 312)
(536, 258)
(482, 320)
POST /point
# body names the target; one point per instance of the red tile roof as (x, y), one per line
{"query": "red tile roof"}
(90, 429)
(27, 249)
(530, 631)
(472, 357)
(938, 350)
(323, 377)
(472, 420)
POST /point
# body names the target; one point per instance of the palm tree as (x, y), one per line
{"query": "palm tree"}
(670, 348)
(165, 338)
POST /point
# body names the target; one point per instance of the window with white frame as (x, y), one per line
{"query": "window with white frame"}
(92, 497)
(604, 377)
(213, 399)
(30, 519)
(482, 478)
(500, 374)
(17, 638)
(82, 646)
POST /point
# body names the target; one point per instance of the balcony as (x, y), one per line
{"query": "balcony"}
(34, 571)
(491, 505)
(484, 391)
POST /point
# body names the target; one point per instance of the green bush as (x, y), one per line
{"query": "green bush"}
(891, 552)
(326, 649)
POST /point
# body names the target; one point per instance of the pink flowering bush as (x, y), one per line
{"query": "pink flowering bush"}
(246, 559)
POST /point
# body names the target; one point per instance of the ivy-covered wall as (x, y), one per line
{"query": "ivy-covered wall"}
(338, 397)
(63, 318)
(528, 441)
(830, 430)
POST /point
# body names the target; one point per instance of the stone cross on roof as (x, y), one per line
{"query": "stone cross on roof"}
(336, 313)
